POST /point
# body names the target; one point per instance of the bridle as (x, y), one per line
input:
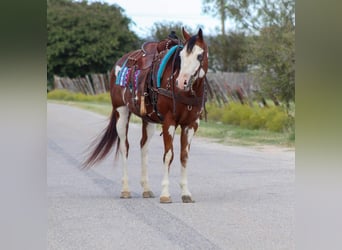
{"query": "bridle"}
(193, 99)
(197, 72)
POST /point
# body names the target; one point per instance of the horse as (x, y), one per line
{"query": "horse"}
(163, 83)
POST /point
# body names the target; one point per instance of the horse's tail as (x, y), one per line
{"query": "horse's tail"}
(104, 142)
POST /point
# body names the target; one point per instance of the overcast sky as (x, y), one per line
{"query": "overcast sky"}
(146, 12)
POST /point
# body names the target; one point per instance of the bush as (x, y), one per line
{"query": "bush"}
(277, 122)
(65, 95)
(272, 118)
(59, 94)
(214, 112)
(237, 114)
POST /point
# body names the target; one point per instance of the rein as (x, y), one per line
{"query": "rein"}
(191, 101)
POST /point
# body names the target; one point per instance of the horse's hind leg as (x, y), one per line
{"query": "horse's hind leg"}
(147, 133)
(122, 128)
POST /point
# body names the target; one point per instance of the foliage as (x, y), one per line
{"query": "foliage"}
(161, 30)
(270, 26)
(251, 15)
(272, 118)
(227, 53)
(217, 8)
(274, 52)
(65, 95)
(85, 37)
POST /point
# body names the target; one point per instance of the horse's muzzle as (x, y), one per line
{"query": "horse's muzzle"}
(182, 82)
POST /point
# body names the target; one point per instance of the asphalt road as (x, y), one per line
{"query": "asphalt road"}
(244, 196)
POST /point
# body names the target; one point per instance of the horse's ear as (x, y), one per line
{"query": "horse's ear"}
(185, 34)
(200, 34)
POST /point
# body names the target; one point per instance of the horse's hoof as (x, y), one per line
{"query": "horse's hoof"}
(165, 199)
(148, 194)
(187, 199)
(125, 195)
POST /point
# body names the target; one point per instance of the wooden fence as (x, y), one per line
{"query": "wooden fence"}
(223, 87)
(92, 84)
(231, 86)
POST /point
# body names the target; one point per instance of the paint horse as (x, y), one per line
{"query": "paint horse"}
(164, 82)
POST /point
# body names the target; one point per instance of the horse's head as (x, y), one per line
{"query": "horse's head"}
(194, 59)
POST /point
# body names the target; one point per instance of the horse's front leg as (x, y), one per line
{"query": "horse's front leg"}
(147, 133)
(169, 129)
(122, 128)
(186, 137)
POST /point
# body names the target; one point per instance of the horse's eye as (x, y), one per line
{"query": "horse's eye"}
(200, 57)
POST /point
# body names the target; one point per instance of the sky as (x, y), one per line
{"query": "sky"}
(144, 13)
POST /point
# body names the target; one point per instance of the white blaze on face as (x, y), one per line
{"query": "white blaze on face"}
(189, 65)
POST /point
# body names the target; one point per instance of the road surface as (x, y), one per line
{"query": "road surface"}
(244, 196)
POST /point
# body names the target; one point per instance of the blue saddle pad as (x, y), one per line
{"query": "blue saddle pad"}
(164, 62)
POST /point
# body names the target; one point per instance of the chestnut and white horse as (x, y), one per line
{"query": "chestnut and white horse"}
(174, 95)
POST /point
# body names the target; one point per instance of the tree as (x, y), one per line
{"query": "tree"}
(216, 8)
(274, 51)
(161, 30)
(85, 38)
(228, 52)
(270, 25)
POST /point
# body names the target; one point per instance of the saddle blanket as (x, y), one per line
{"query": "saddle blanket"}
(128, 78)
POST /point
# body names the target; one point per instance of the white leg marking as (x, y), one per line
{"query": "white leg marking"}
(184, 178)
(150, 128)
(191, 133)
(184, 182)
(171, 130)
(121, 128)
(165, 183)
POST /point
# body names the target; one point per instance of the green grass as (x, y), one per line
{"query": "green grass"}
(222, 133)
(235, 135)
(271, 118)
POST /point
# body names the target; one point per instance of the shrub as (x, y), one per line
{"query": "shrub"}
(59, 94)
(65, 95)
(272, 118)
(258, 119)
(277, 122)
(214, 112)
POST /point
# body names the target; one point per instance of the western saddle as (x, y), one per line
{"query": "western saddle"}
(144, 60)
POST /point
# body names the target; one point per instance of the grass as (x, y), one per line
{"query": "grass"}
(218, 132)
(235, 135)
